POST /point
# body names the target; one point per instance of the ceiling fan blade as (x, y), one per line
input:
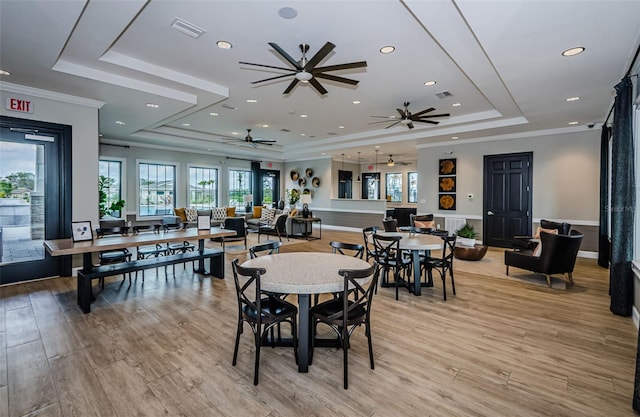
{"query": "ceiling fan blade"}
(386, 117)
(285, 55)
(402, 114)
(380, 121)
(338, 67)
(433, 122)
(393, 124)
(335, 78)
(267, 66)
(434, 115)
(294, 82)
(319, 56)
(423, 112)
(410, 125)
(272, 78)
(264, 141)
(318, 86)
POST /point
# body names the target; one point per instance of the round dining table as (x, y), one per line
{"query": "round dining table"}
(303, 274)
(415, 243)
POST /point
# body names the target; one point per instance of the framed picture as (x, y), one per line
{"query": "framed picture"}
(447, 184)
(447, 167)
(81, 231)
(204, 222)
(447, 202)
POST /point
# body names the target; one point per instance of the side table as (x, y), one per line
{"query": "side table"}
(308, 227)
(470, 253)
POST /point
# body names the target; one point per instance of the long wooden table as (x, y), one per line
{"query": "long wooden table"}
(61, 247)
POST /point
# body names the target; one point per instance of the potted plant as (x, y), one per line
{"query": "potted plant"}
(466, 235)
(105, 183)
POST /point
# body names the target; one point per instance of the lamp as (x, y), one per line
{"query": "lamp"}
(342, 169)
(248, 199)
(358, 179)
(378, 178)
(305, 199)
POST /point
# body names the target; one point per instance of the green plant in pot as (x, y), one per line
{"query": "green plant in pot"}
(466, 235)
(103, 184)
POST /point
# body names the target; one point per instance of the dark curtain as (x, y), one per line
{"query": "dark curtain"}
(603, 240)
(256, 187)
(622, 202)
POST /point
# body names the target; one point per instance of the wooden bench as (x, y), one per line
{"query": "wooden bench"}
(216, 257)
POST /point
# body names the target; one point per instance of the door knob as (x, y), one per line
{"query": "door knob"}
(489, 213)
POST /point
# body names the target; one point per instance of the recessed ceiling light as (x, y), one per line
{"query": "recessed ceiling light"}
(456, 105)
(573, 123)
(323, 153)
(287, 12)
(387, 49)
(152, 105)
(303, 115)
(100, 135)
(303, 134)
(572, 99)
(573, 51)
(377, 147)
(234, 133)
(118, 122)
(3, 72)
(252, 100)
(265, 125)
(356, 101)
(224, 45)
(213, 114)
(454, 137)
(186, 124)
(209, 149)
(340, 127)
(430, 83)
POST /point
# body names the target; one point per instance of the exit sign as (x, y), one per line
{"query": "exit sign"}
(18, 104)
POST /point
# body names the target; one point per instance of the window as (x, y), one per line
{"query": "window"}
(412, 187)
(156, 189)
(203, 187)
(394, 187)
(110, 186)
(239, 186)
(371, 186)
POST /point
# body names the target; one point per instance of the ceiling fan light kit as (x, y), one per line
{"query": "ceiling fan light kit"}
(306, 71)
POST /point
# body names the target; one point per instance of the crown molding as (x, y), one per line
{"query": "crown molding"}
(51, 95)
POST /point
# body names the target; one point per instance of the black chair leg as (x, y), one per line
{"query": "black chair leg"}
(257, 337)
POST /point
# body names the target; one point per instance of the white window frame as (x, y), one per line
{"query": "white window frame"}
(218, 185)
(176, 166)
(240, 204)
(123, 181)
(409, 186)
(388, 175)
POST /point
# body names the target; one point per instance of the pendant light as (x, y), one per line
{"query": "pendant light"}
(378, 177)
(342, 177)
(358, 179)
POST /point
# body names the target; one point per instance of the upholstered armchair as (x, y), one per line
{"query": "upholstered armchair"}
(558, 256)
(278, 227)
(528, 242)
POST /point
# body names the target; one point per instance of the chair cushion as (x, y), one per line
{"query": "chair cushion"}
(336, 305)
(293, 212)
(540, 229)
(271, 305)
(180, 212)
(425, 224)
(257, 212)
(268, 214)
(231, 212)
(191, 214)
(218, 213)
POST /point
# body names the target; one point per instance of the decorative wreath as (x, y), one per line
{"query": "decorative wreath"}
(447, 166)
(447, 201)
(447, 184)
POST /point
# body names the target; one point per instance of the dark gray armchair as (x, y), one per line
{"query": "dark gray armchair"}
(559, 253)
(277, 228)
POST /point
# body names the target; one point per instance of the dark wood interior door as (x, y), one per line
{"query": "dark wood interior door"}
(507, 198)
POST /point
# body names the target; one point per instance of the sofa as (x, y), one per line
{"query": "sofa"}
(217, 215)
(256, 217)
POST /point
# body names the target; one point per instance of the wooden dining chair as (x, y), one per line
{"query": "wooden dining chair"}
(443, 265)
(352, 249)
(390, 258)
(268, 248)
(367, 234)
(347, 312)
(261, 311)
(149, 251)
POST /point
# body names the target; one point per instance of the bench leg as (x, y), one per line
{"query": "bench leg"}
(84, 293)
(216, 265)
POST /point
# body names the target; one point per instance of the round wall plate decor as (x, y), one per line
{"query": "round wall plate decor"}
(302, 182)
(294, 175)
(309, 172)
(315, 182)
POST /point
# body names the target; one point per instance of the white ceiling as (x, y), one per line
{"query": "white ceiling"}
(501, 60)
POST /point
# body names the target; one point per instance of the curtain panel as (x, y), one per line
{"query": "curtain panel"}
(603, 239)
(622, 201)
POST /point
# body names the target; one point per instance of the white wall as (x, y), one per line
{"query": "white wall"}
(82, 115)
(566, 174)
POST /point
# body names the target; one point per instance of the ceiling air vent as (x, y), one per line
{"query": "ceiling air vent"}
(444, 94)
(226, 106)
(285, 130)
(187, 28)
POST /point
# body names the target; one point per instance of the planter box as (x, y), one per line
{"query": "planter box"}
(465, 241)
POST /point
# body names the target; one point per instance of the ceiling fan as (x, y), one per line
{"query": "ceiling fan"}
(391, 162)
(306, 71)
(407, 118)
(253, 141)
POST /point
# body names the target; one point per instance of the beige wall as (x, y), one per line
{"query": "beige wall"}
(566, 175)
(82, 116)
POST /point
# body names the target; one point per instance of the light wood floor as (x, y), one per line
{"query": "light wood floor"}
(498, 348)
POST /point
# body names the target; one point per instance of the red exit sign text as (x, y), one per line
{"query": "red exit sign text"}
(17, 104)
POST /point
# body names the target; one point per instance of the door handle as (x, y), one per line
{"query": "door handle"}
(490, 213)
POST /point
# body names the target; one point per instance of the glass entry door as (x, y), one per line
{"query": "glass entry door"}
(32, 204)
